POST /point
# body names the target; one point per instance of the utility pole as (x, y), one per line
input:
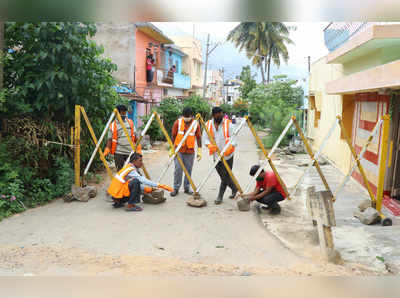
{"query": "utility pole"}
(208, 52)
(223, 83)
(309, 64)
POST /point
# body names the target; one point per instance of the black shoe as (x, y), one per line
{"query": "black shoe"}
(118, 204)
(188, 191)
(174, 193)
(233, 195)
(275, 209)
(220, 195)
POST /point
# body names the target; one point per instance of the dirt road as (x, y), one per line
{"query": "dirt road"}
(171, 238)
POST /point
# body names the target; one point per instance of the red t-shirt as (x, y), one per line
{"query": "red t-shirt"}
(270, 180)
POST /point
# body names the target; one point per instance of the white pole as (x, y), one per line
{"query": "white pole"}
(222, 153)
(177, 150)
(264, 163)
(361, 156)
(99, 143)
(322, 146)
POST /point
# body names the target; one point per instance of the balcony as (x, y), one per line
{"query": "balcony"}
(337, 33)
(164, 77)
(181, 81)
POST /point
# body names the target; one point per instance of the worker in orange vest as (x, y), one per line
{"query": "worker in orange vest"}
(128, 185)
(221, 129)
(186, 152)
(118, 144)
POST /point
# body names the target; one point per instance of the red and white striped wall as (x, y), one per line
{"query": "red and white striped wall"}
(368, 109)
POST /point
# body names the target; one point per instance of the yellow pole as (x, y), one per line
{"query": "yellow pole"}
(382, 162)
(103, 159)
(164, 131)
(310, 152)
(133, 146)
(356, 158)
(210, 137)
(77, 147)
(259, 142)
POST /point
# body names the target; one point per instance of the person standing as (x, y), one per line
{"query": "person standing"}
(118, 144)
(186, 152)
(221, 130)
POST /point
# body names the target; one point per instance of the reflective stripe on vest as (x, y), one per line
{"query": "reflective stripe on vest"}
(190, 140)
(119, 186)
(225, 127)
(114, 130)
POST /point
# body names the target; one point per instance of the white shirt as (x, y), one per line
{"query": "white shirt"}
(219, 138)
(143, 180)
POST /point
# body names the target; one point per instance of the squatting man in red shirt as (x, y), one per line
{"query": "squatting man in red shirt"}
(268, 190)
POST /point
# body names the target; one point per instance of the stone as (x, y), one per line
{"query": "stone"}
(196, 201)
(156, 197)
(322, 161)
(364, 205)
(243, 204)
(83, 194)
(369, 217)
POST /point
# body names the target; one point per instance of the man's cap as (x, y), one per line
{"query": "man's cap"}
(254, 169)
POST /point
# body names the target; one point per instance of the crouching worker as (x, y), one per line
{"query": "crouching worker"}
(268, 190)
(128, 185)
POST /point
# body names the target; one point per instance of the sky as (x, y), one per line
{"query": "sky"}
(308, 41)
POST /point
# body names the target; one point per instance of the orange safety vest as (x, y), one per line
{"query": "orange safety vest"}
(114, 131)
(225, 126)
(119, 186)
(190, 140)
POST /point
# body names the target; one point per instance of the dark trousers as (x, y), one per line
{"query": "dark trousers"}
(134, 194)
(135, 191)
(119, 160)
(149, 75)
(224, 175)
(271, 199)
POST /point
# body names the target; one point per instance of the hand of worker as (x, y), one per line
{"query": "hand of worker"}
(166, 187)
(212, 148)
(106, 151)
(199, 154)
(171, 152)
(147, 189)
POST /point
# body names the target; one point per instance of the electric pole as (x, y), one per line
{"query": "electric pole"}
(223, 83)
(208, 52)
(309, 64)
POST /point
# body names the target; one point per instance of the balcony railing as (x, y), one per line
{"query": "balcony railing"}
(164, 77)
(337, 33)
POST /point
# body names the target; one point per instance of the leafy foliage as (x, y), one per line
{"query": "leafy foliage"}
(263, 42)
(249, 83)
(52, 66)
(272, 105)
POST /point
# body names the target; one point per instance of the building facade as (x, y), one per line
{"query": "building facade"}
(193, 63)
(358, 80)
(215, 85)
(231, 91)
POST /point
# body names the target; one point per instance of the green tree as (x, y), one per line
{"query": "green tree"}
(263, 42)
(272, 105)
(249, 83)
(52, 66)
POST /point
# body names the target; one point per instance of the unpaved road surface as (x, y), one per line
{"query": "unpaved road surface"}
(172, 238)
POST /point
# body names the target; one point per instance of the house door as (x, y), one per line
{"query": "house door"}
(395, 190)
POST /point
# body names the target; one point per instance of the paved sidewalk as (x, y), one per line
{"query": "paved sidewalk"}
(356, 242)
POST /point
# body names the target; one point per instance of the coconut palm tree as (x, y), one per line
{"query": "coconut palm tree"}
(263, 42)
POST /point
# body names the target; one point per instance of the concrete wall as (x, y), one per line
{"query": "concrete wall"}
(329, 106)
(118, 40)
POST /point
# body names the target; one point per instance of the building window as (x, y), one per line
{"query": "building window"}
(165, 92)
